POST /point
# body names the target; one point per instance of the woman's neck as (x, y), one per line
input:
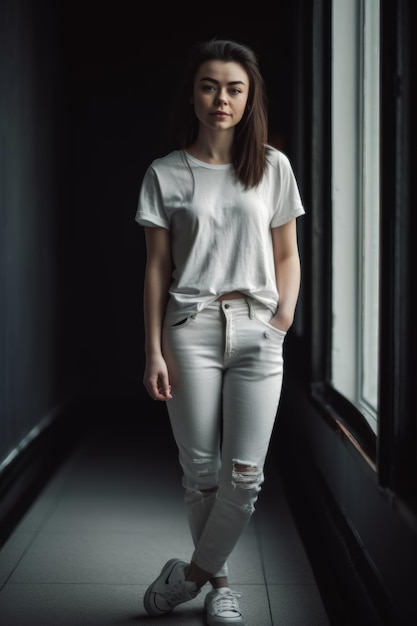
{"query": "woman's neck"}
(216, 150)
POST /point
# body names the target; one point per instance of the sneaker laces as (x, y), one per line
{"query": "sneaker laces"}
(226, 602)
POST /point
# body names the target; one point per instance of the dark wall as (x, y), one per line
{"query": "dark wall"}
(38, 354)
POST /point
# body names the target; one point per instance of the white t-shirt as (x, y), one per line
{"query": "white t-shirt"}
(220, 233)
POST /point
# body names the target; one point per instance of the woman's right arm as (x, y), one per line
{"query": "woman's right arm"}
(156, 285)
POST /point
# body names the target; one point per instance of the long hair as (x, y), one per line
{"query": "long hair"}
(250, 139)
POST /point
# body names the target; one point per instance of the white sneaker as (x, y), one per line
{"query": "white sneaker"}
(223, 608)
(169, 589)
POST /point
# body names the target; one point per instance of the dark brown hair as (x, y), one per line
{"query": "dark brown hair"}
(249, 149)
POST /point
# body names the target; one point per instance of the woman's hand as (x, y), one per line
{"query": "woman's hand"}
(156, 379)
(281, 322)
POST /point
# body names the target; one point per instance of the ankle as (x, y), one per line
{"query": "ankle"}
(197, 575)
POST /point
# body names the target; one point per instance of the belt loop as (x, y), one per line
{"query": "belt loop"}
(249, 302)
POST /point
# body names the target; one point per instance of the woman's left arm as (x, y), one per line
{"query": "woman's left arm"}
(287, 273)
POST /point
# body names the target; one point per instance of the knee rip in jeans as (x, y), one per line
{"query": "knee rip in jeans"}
(245, 475)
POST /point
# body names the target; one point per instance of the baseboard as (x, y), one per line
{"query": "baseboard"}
(350, 590)
(34, 462)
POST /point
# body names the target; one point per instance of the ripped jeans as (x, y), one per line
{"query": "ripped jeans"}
(225, 366)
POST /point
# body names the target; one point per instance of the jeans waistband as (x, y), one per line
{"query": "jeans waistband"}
(246, 304)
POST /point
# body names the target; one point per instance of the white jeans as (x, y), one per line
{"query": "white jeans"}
(225, 367)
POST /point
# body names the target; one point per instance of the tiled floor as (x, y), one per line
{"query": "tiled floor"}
(108, 520)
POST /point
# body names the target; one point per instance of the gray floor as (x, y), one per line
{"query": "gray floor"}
(107, 521)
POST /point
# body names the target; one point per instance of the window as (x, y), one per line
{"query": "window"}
(355, 203)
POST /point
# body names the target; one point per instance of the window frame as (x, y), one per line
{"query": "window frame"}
(355, 210)
(392, 457)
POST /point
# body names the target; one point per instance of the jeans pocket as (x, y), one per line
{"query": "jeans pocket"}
(183, 323)
(264, 317)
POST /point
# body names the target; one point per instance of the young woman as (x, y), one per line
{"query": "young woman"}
(221, 284)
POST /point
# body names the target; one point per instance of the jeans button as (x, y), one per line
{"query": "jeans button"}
(226, 306)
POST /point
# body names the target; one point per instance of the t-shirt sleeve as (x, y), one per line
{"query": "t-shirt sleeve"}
(150, 210)
(289, 204)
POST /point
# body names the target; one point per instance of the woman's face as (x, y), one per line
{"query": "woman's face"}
(220, 94)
